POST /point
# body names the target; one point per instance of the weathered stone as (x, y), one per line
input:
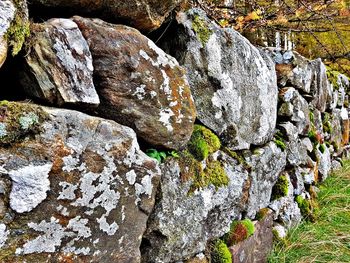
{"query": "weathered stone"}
(296, 153)
(336, 165)
(300, 116)
(7, 14)
(59, 65)
(320, 87)
(308, 144)
(324, 162)
(335, 130)
(308, 175)
(285, 209)
(280, 231)
(318, 123)
(174, 233)
(267, 163)
(139, 85)
(144, 15)
(232, 82)
(345, 125)
(290, 130)
(257, 247)
(292, 69)
(81, 190)
(297, 179)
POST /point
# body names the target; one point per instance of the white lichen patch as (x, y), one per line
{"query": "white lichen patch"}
(29, 186)
(3, 131)
(131, 177)
(165, 115)
(144, 188)
(163, 59)
(53, 233)
(67, 191)
(3, 235)
(7, 13)
(109, 229)
(140, 92)
(28, 120)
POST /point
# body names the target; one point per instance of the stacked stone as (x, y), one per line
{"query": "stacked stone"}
(75, 187)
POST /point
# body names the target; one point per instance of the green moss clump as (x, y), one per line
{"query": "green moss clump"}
(19, 29)
(307, 207)
(280, 189)
(262, 213)
(203, 142)
(326, 124)
(239, 231)
(322, 148)
(18, 120)
(220, 252)
(332, 76)
(280, 141)
(201, 28)
(213, 174)
(312, 135)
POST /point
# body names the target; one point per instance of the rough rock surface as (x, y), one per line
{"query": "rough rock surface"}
(59, 65)
(139, 85)
(233, 84)
(320, 88)
(81, 191)
(267, 163)
(286, 210)
(298, 109)
(324, 163)
(7, 14)
(183, 222)
(143, 15)
(292, 69)
(257, 247)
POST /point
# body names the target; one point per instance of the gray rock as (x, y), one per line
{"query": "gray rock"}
(300, 117)
(173, 233)
(267, 163)
(320, 87)
(290, 130)
(232, 82)
(324, 163)
(60, 65)
(285, 209)
(81, 189)
(280, 230)
(257, 247)
(308, 144)
(139, 85)
(296, 153)
(7, 14)
(336, 165)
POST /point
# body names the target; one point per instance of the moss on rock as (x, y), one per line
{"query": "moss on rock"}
(280, 189)
(220, 252)
(203, 142)
(18, 120)
(239, 231)
(201, 28)
(262, 213)
(19, 29)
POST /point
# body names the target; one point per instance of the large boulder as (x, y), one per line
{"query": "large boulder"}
(75, 187)
(7, 14)
(143, 15)
(139, 85)
(183, 221)
(232, 82)
(59, 65)
(267, 163)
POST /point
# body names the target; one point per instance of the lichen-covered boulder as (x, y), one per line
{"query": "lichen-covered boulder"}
(232, 82)
(296, 108)
(139, 85)
(75, 187)
(324, 160)
(59, 65)
(143, 15)
(184, 220)
(267, 163)
(7, 14)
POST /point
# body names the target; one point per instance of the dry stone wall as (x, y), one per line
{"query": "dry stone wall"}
(237, 139)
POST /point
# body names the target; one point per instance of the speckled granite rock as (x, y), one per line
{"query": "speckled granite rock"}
(7, 14)
(81, 190)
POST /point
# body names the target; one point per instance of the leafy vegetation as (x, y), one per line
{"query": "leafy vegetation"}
(239, 231)
(327, 240)
(220, 252)
(160, 156)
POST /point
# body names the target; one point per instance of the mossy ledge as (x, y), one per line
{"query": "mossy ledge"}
(201, 28)
(18, 120)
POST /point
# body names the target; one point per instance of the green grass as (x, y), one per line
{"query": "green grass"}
(328, 239)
